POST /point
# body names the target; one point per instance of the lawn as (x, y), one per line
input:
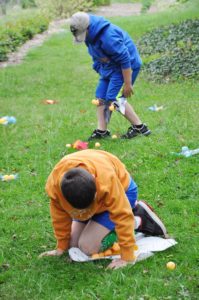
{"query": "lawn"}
(31, 147)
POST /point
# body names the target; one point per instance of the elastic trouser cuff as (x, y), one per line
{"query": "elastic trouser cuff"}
(101, 102)
(107, 112)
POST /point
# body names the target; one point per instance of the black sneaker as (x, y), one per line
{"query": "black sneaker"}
(151, 223)
(99, 135)
(133, 131)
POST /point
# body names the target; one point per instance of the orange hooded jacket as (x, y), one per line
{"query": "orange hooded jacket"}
(112, 180)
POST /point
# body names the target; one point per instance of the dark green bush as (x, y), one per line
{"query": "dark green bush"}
(101, 2)
(13, 34)
(176, 48)
(182, 1)
(146, 4)
(28, 3)
(3, 51)
(180, 65)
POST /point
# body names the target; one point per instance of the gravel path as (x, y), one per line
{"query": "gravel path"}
(120, 10)
(116, 9)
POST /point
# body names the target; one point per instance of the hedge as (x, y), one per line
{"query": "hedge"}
(14, 33)
(171, 52)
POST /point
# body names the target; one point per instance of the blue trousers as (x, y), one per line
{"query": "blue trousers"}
(109, 87)
(104, 217)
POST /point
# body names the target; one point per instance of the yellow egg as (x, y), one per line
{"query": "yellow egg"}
(2, 121)
(6, 177)
(171, 265)
(97, 145)
(111, 108)
(95, 102)
(114, 136)
(68, 145)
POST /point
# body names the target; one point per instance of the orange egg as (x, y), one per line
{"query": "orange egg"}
(101, 254)
(108, 252)
(116, 247)
(95, 256)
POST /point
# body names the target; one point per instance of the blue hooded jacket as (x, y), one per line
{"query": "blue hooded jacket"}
(111, 48)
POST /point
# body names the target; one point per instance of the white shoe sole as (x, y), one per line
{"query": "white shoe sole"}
(154, 217)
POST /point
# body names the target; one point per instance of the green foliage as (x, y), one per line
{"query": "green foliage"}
(13, 34)
(182, 64)
(62, 8)
(3, 51)
(28, 3)
(182, 1)
(146, 4)
(101, 2)
(179, 49)
(167, 38)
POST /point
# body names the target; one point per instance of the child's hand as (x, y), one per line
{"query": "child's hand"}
(57, 252)
(127, 90)
(119, 263)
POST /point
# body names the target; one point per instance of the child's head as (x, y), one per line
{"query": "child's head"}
(78, 188)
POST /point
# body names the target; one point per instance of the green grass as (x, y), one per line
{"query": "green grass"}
(59, 70)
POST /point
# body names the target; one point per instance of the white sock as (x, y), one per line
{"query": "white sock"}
(138, 222)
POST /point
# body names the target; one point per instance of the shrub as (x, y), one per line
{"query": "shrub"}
(3, 51)
(28, 3)
(101, 2)
(14, 34)
(146, 4)
(177, 49)
(62, 8)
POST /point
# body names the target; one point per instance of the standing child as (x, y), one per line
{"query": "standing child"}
(92, 194)
(116, 59)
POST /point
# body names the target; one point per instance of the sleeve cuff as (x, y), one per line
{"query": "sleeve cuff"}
(128, 254)
(62, 244)
(126, 65)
